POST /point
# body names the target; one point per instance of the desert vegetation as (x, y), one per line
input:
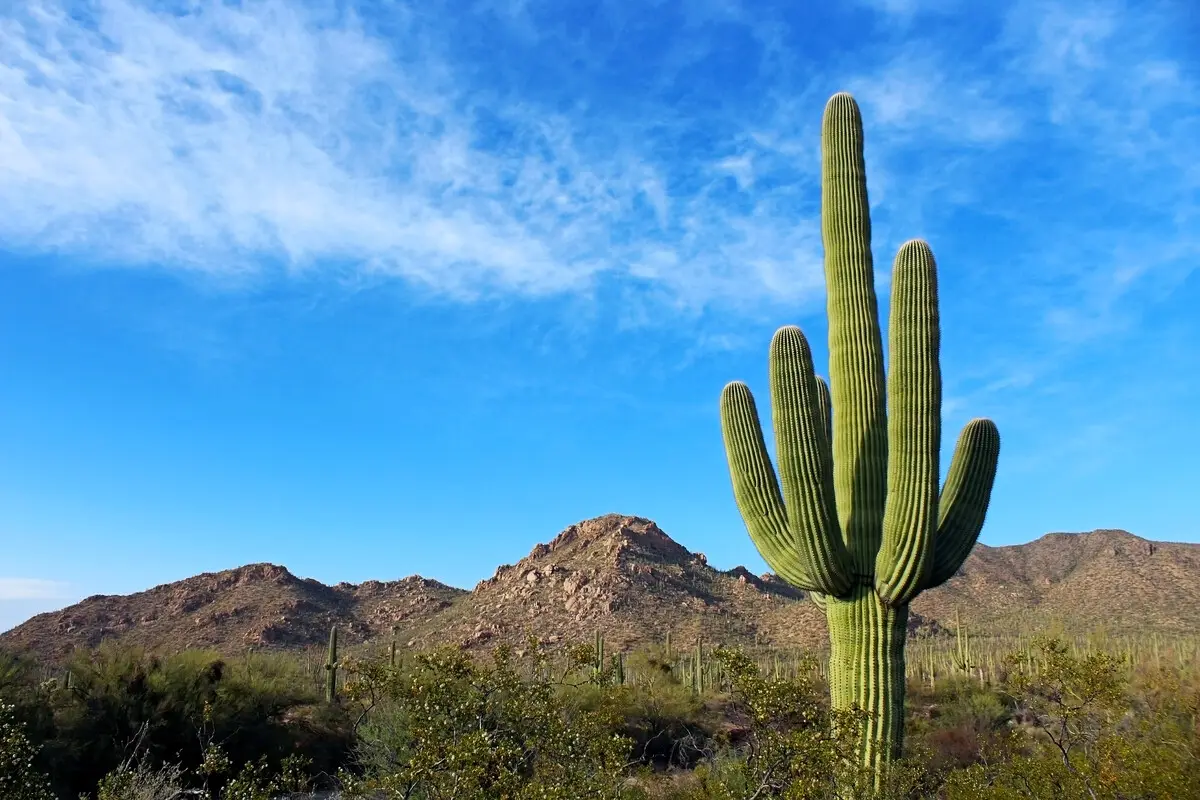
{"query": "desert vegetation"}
(1050, 717)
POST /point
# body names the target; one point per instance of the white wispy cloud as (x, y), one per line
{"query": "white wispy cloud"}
(908, 8)
(920, 93)
(212, 139)
(242, 140)
(32, 589)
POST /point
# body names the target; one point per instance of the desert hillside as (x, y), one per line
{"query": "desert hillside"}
(627, 577)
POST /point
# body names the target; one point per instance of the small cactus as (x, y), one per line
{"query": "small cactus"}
(331, 667)
(962, 645)
(618, 665)
(598, 656)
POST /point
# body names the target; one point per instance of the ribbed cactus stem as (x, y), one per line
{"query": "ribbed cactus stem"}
(331, 667)
(855, 517)
(598, 663)
(866, 668)
(962, 645)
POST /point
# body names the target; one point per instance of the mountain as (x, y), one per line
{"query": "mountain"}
(259, 605)
(1083, 581)
(625, 576)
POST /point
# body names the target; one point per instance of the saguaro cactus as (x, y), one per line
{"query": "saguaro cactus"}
(331, 667)
(859, 523)
(598, 656)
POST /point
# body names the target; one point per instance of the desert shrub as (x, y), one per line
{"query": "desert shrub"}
(140, 781)
(1169, 701)
(1085, 743)
(667, 724)
(792, 747)
(457, 728)
(963, 723)
(19, 777)
(137, 780)
(171, 710)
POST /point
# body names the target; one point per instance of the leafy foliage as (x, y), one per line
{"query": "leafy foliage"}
(19, 779)
(454, 728)
(1084, 741)
(1063, 723)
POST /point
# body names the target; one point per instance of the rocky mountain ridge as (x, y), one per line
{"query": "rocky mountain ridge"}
(625, 576)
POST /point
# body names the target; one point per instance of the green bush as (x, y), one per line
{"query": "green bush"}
(668, 724)
(1083, 741)
(19, 778)
(169, 710)
(443, 724)
(455, 728)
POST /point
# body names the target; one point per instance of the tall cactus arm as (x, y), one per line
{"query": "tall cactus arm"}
(826, 404)
(754, 485)
(965, 498)
(805, 463)
(914, 423)
(855, 342)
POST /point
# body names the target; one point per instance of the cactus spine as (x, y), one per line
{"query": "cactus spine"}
(331, 667)
(859, 523)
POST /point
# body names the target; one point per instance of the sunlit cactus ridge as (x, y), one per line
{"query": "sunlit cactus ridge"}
(855, 517)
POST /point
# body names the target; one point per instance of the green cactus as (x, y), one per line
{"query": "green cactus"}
(598, 657)
(963, 659)
(331, 667)
(859, 523)
(618, 668)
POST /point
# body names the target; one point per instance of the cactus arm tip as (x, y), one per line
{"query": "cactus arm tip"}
(806, 463)
(965, 497)
(914, 425)
(755, 487)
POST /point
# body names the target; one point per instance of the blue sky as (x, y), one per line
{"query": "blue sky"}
(407, 287)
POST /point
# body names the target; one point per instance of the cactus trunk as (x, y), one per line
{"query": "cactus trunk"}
(866, 669)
